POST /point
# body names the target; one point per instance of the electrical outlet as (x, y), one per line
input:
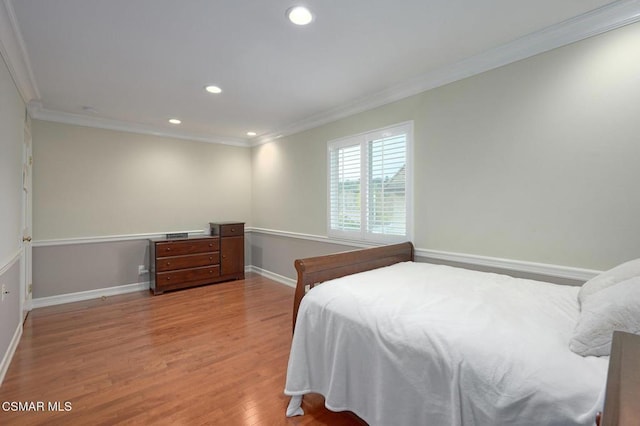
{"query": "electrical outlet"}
(4, 291)
(142, 270)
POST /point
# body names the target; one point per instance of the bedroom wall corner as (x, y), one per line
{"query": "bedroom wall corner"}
(99, 193)
(535, 161)
(273, 254)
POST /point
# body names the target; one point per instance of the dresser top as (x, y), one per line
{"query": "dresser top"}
(191, 237)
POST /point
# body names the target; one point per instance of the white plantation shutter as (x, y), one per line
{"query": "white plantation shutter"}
(369, 188)
(386, 189)
(345, 184)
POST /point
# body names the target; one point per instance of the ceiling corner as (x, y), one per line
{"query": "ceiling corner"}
(12, 49)
(606, 18)
(38, 112)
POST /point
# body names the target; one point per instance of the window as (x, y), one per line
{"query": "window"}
(370, 185)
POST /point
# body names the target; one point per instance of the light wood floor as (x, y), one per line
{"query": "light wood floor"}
(209, 355)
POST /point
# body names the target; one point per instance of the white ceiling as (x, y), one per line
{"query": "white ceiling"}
(137, 63)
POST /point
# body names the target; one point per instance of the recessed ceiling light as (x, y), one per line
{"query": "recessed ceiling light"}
(213, 89)
(251, 133)
(299, 15)
(174, 121)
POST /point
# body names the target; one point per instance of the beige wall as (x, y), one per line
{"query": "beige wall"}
(91, 182)
(534, 161)
(12, 114)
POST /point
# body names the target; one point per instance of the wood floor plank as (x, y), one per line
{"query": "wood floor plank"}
(207, 355)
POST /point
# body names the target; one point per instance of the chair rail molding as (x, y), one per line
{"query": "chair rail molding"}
(551, 270)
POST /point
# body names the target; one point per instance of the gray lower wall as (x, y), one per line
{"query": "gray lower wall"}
(73, 268)
(10, 307)
(276, 254)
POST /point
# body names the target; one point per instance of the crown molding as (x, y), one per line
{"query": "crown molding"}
(14, 52)
(15, 55)
(37, 111)
(609, 17)
(601, 20)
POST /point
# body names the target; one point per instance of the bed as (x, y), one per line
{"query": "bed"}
(408, 343)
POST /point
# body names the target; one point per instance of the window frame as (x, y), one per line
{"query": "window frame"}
(362, 140)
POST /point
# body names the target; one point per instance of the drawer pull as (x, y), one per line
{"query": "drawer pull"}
(210, 271)
(233, 229)
(168, 263)
(168, 248)
(210, 244)
(210, 257)
(168, 278)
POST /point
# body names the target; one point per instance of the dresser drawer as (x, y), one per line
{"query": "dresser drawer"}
(232, 230)
(189, 261)
(176, 248)
(203, 274)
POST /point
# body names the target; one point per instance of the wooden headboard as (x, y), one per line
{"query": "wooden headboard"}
(314, 270)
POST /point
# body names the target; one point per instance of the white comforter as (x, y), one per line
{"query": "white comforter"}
(423, 344)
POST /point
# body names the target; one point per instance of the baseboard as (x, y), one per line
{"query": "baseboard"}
(8, 356)
(60, 299)
(41, 302)
(272, 276)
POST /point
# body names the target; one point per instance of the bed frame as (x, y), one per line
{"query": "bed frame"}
(315, 270)
(623, 381)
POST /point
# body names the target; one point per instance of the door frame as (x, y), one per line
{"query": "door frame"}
(26, 273)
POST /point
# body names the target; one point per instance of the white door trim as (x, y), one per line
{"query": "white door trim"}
(26, 267)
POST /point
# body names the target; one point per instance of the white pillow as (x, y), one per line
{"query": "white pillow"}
(608, 278)
(614, 308)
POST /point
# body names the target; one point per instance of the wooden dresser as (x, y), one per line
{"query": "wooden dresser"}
(231, 236)
(194, 261)
(181, 263)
